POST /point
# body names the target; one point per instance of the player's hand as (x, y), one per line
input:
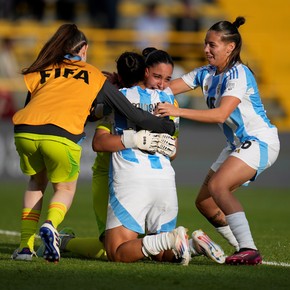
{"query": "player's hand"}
(151, 142)
(166, 145)
(143, 140)
(166, 109)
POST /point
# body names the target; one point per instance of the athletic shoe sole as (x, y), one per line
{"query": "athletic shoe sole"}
(49, 236)
(208, 247)
(181, 248)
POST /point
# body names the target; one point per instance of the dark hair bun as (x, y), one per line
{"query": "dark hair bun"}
(148, 50)
(239, 21)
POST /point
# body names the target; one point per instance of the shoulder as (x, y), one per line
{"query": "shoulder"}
(237, 71)
(241, 75)
(90, 67)
(168, 91)
(203, 70)
(132, 90)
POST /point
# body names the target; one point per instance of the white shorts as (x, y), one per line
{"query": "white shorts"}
(257, 154)
(143, 204)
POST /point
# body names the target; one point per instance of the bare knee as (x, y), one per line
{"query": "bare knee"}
(200, 205)
(111, 252)
(216, 188)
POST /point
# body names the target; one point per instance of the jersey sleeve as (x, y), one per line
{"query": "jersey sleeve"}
(191, 79)
(236, 84)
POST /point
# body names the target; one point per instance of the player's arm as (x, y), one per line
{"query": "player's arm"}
(111, 96)
(104, 141)
(179, 86)
(214, 115)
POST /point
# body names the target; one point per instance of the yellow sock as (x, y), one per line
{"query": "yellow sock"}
(29, 222)
(56, 213)
(87, 247)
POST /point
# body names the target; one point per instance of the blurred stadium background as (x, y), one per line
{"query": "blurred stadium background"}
(266, 48)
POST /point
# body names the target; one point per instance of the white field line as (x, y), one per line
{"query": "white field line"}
(9, 233)
(276, 264)
(13, 233)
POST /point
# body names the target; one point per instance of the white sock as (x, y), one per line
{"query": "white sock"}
(153, 245)
(241, 230)
(227, 233)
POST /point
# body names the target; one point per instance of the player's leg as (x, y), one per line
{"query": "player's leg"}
(207, 206)
(31, 163)
(62, 159)
(91, 248)
(94, 247)
(100, 190)
(243, 166)
(61, 201)
(175, 241)
(123, 245)
(209, 209)
(32, 205)
(232, 174)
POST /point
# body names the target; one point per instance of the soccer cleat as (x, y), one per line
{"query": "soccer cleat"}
(245, 257)
(50, 238)
(24, 255)
(65, 235)
(40, 250)
(205, 246)
(181, 247)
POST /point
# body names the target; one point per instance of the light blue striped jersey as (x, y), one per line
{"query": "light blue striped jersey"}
(249, 120)
(147, 100)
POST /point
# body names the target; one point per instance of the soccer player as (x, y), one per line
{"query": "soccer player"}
(143, 196)
(141, 185)
(63, 88)
(234, 103)
(158, 73)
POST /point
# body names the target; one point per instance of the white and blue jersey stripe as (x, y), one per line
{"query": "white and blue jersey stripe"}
(147, 100)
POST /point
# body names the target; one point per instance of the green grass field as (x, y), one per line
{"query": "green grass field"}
(267, 211)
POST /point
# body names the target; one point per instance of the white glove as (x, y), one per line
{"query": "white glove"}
(144, 140)
(166, 145)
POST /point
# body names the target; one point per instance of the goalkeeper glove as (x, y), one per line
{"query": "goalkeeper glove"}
(144, 140)
(166, 145)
